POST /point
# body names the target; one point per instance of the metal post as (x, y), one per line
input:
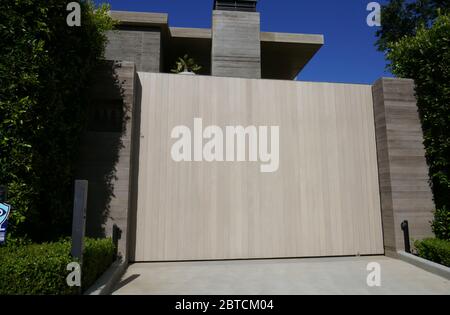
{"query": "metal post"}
(79, 219)
(405, 229)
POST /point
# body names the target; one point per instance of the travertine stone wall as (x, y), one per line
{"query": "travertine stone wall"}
(107, 148)
(404, 187)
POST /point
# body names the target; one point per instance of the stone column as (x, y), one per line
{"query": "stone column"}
(109, 151)
(403, 171)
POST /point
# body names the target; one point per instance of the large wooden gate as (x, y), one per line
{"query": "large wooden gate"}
(322, 201)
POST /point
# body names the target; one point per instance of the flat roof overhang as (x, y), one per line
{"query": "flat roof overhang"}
(283, 55)
(145, 19)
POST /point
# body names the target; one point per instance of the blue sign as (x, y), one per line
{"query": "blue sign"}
(4, 213)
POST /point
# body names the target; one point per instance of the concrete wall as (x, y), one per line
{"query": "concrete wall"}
(141, 45)
(404, 188)
(322, 201)
(236, 44)
(106, 151)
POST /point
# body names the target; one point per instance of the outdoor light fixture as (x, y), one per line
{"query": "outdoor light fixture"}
(236, 5)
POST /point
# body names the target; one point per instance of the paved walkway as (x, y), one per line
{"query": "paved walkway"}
(266, 277)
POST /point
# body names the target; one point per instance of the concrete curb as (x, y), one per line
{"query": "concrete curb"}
(427, 265)
(105, 284)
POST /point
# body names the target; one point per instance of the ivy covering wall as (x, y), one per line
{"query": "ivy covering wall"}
(45, 68)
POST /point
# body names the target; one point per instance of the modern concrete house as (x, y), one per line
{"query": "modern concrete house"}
(351, 159)
(234, 47)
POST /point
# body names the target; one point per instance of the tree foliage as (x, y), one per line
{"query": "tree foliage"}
(44, 70)
(425, 57)
(402, 18)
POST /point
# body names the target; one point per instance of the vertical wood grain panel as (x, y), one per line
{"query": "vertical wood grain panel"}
(323, 200)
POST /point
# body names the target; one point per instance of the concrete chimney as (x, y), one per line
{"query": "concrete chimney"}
(236, 42)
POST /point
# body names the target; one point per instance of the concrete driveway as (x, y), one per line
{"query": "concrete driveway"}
(344, 275)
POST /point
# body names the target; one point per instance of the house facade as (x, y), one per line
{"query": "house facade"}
(351, 165)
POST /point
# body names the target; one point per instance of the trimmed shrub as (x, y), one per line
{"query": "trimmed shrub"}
(435, 250)
(40, 269)
(98, 256)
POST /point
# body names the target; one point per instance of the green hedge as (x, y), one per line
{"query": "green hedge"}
(435, 250)
(98, 256)
(41, 268)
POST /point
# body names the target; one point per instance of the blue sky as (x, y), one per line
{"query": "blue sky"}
(349, 54)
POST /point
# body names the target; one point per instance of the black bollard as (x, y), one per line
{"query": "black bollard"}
(405, 229)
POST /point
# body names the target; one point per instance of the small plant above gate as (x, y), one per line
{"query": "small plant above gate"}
(186, 65)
